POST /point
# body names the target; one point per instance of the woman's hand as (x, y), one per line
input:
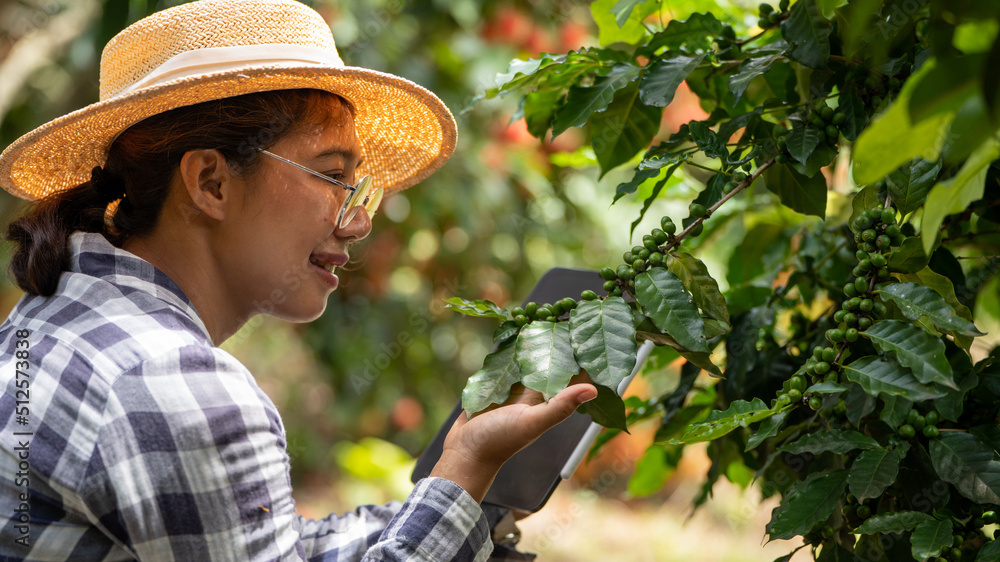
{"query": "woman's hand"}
(476, 448)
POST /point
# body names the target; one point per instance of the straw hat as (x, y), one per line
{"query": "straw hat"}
(212, 49)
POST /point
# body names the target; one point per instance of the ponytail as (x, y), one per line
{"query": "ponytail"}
(42, 253)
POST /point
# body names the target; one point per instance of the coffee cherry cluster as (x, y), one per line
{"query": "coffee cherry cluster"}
(876, 234)
(823, 119)
(926, 424)
(770, 18)
(641, 258)
(549, 312)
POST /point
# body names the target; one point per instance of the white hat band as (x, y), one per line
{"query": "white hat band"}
(210, 60)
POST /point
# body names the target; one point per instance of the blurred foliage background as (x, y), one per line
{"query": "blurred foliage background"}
(365, 387)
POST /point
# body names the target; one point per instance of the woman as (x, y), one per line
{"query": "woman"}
(219, 177)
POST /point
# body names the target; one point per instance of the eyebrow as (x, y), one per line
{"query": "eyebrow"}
(345, 153)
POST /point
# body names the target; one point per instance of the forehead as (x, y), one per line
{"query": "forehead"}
(327, 131)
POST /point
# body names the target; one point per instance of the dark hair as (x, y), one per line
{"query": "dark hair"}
(141, 164)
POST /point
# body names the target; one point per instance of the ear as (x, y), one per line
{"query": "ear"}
(205, 175)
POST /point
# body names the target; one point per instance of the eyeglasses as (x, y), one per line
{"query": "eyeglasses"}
(363, 194)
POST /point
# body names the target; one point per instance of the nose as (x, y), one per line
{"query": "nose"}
(357, 228)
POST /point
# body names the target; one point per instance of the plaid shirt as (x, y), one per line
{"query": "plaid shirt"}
(136, 438)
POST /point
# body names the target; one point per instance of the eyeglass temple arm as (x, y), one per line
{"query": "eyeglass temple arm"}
(303, 168)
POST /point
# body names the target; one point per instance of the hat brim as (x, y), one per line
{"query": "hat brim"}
(405, 131)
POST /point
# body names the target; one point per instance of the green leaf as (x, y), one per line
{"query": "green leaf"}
(929, 538)
(990, 552)
(751, 68)
(584, 101)
(894, 522)
(703, 287)
(607, 409)
(821, 157)
(910, 257)
(801, 141)
(505, 331)
(865, 199)
(662, 78)
(885, 376)
(545, 357)
(837, 441)
(539, 108)
(607, 13)
(797, 192)
(825, 388)
(893, 139)
(854, 109)
(873, 471)
(914, 348)
(768, 428)
(477, 308)
(708, 140)
(739, 414)
(700, 359)
(603, 339)
(945, 87)
(895, 410)
(808, 32)
(623, 129)
(652, 197)
(916, 301)
(698, 31)
(652, 470)
(967, 463)
(955, 194)
(491, 384)
(623, 10)
(671, 308)
(807, 503)
(909, 184)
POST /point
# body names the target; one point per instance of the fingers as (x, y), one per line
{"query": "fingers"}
(562, 405)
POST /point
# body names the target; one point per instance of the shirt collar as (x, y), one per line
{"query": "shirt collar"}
(93, 255)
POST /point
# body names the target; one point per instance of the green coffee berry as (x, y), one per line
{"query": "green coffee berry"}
(659, 235)
(608, 274)
(588, 295)
(697, 210)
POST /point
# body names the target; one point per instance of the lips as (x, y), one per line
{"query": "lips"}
(328, 261)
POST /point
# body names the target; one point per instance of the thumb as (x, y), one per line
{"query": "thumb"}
(562, 405)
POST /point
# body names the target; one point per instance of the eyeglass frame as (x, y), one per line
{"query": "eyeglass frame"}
(365, 182)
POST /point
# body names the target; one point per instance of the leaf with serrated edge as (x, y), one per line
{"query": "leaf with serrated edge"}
(545, 356)
(837, 441)
(603, 339)
(872, 472)
(895, 522)
(702, 286)
(914, 348)
(806, 504)
(967, 463)
(491, 384)
(915, 300)
(666, 301)
(929, 538)
(876, 375)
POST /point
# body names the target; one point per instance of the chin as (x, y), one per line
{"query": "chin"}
(301, 315)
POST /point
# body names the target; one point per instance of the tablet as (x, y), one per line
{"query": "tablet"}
(526, 481)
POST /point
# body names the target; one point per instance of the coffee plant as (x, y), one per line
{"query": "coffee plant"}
(849, 168)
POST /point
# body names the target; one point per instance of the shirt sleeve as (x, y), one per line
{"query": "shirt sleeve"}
(191, 464)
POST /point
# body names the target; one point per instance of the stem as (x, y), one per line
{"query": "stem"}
(977, 257)
(829, 255)
(684, 233)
